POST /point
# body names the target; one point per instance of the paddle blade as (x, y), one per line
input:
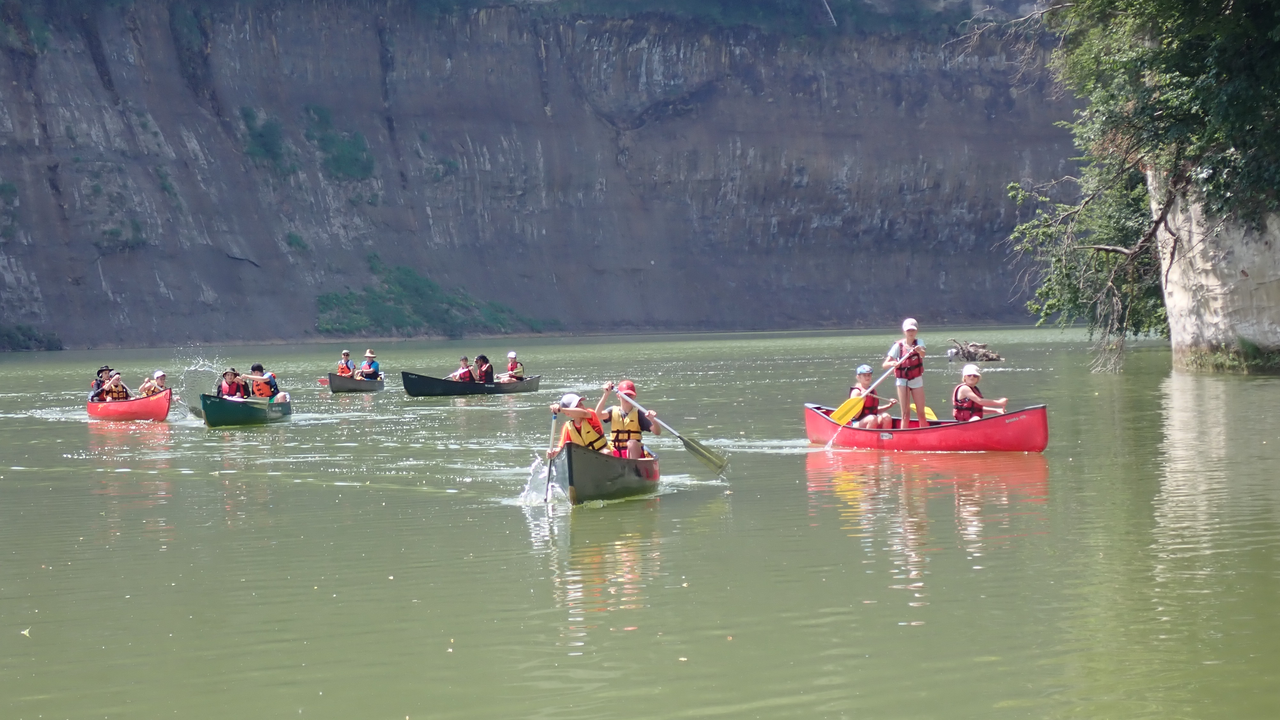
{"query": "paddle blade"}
(705, 454)
(848, 410)
(323, 380)
(928, 412)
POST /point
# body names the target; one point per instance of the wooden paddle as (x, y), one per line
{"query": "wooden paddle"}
(709, 458)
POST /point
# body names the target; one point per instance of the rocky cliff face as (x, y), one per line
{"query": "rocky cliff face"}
(1221, 284)
(173, 174)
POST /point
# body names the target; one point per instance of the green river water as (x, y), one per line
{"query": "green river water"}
(373, 558)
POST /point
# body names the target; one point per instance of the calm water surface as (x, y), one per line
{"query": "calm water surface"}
(372, 558)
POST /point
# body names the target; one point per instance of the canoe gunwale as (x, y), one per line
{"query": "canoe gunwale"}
(587, 475)
(341, 384)
(242, 412)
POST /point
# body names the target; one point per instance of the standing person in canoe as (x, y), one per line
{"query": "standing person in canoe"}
(346, 368)
(909, 373)
(153, 385)
(114, 390)
(263, 384)
(463, 373)
(484, 371)
(231, 386)
(966, 400)
(102, 377)
(369, 369)
(626, 422)
(871, 418)
(515, 369)
(582, 424)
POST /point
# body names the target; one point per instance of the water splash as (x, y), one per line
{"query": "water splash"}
(537, 491)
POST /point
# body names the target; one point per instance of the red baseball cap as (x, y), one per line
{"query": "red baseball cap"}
(626, 387)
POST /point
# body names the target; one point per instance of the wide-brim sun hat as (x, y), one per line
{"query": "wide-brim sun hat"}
(863, 370)
(369, 353)
(910, 324)
(971, 369)
(346, 352)
(570, 400)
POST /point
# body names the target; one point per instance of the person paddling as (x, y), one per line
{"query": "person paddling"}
(870, 418)
(515, 369)
(463, 373)
(114, 390)
(626, 422)
(484, 371)
(582, 426)
(346, 368)
(100, 380)
(231, 385)
(909, 374)
(966, 400)
(153, 385)
(263, 384)
(369, 369)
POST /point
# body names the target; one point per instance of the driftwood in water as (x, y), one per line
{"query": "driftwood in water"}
(972, 352)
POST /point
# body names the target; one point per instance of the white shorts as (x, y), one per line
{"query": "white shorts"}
(912, 384)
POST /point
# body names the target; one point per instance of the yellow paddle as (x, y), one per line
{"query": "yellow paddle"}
(928, 412)
(850, 408)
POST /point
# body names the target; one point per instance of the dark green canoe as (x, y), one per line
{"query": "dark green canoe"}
(223, 412)
(586, 475)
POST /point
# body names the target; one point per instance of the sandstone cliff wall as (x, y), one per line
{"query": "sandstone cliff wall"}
(610, 174)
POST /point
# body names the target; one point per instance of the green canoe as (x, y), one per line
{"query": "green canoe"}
(222, 412)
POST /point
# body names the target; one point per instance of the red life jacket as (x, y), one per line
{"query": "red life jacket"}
(967, 409)
(913, 366)
(235, 389)
(465, 376)
(512, 365)
(485, 374)
(870, 406)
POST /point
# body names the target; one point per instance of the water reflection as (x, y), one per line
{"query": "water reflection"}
(892, 500)
(602, 563)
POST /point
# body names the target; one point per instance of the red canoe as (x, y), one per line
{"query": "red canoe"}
(1021, 431)
(155, 407)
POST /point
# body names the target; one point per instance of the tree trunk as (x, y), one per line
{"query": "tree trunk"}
(1221, 288)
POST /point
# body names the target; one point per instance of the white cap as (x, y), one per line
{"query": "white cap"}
(158, 374)
(570, 400)
(971, 369)
(512, 354)
(909, 324)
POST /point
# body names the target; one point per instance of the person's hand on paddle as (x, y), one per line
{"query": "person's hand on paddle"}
(1000, 405)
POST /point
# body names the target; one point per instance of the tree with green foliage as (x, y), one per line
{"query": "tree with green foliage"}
(1182, 103)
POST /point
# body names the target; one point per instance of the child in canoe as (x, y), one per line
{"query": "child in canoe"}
(870, 418)
(966, 400)
(906, 357)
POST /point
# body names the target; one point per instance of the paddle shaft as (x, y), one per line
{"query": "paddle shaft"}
(867, 392)
(697, 449)
(550, 446)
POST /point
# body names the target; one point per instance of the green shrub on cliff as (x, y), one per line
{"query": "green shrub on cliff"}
(406, 303)
(264, 142)
(346, 155)
(25, 337)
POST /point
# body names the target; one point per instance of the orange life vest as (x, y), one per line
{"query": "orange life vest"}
(588, 434)
(115, 392)
(262, 388)
(150, 388)
(913, 366)
(345, 368)
(967, 409)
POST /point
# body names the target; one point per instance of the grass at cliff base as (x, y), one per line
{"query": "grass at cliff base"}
(25, 337)
(404, 303)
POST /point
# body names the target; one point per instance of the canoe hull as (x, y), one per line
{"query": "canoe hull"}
(155, 407)
(340, 384)
(1020, 431)
(427, 386)
(223, 412)
(586, 475)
